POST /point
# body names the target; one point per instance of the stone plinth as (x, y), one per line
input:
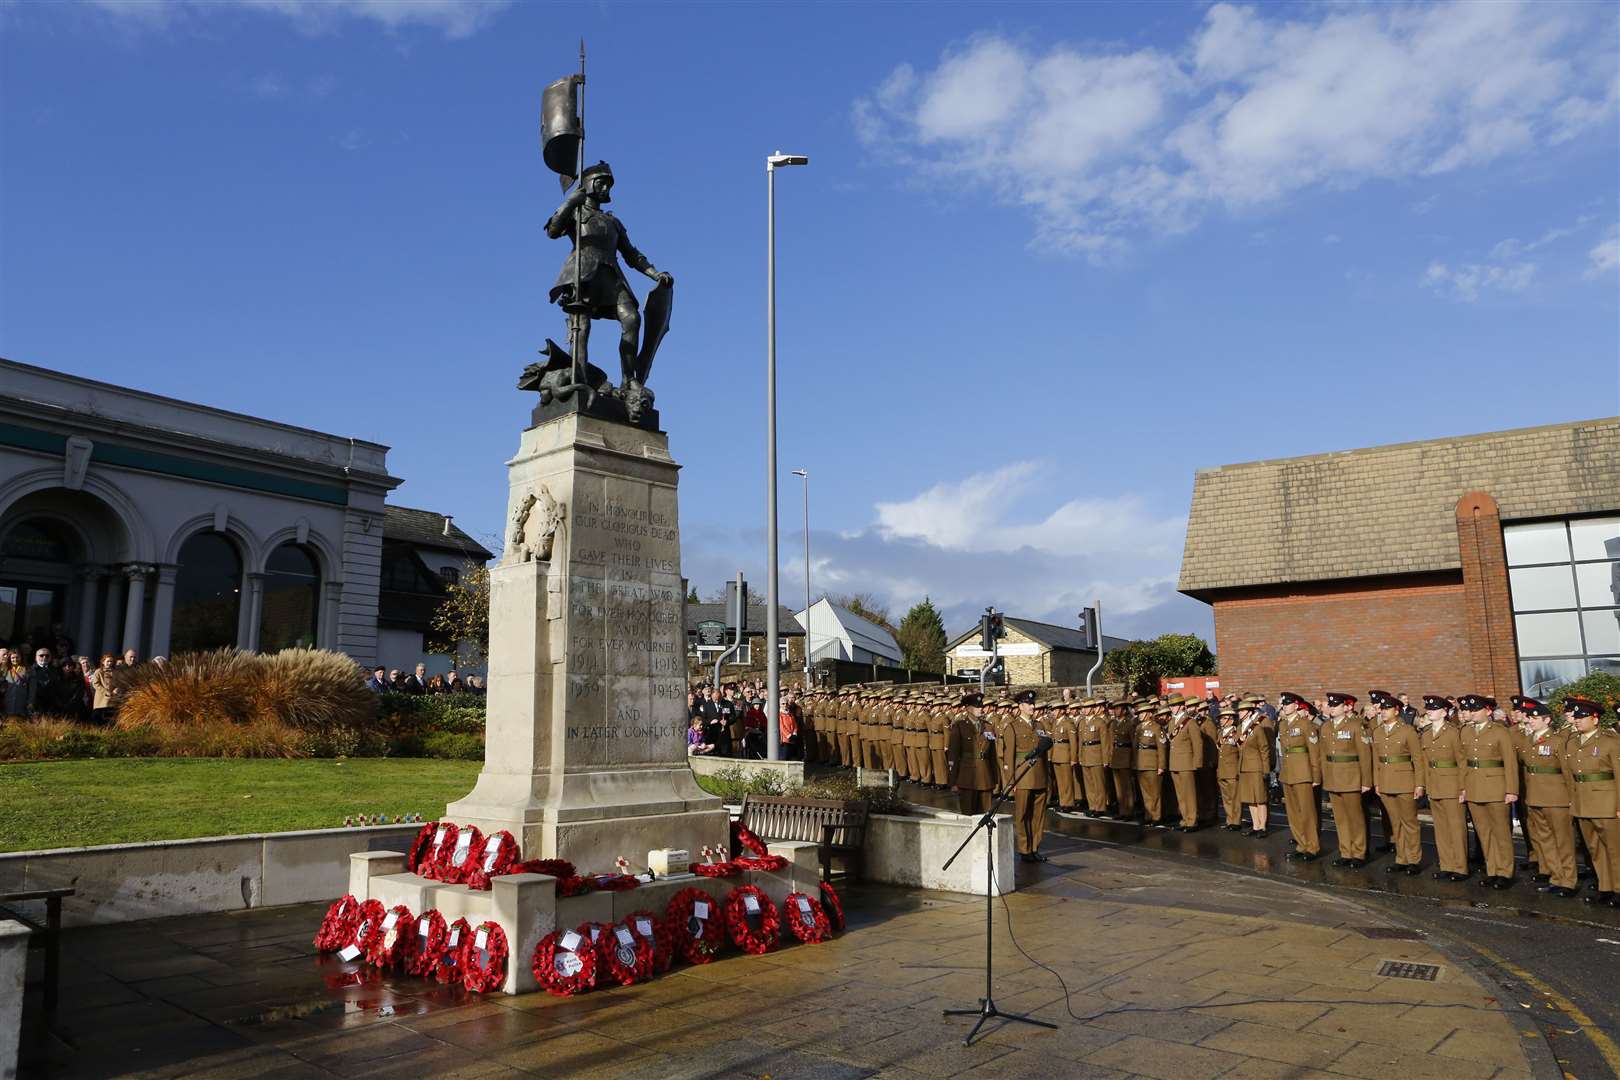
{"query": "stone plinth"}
(585, 750)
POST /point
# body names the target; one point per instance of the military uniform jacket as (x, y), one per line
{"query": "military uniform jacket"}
(1592, 761)
(1122, 743)
(1065, 740)
(970, 755)
(1186, 744)
(1300, 750)
(1346, 755)
(1017, 740)
(939, 725)
(1397, 759)
(1151, 746)
(1544, 774)
(1490, 767)
(1211, 732)
(1092, 735)
(1227, 752)
(1442, 760)
(1254, 748)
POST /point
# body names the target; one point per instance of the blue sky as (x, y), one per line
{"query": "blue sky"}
(1046, 261)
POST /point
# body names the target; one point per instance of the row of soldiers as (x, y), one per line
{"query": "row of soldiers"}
(1179, 762)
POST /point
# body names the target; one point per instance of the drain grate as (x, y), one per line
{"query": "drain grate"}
(1399, 969)
(1393, 933)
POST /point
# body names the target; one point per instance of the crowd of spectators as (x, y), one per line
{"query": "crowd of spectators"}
(729, 721)
(386, 680)
(49, 680)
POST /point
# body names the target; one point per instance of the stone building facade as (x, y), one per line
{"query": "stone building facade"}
(1488, 563)
(1031, 653)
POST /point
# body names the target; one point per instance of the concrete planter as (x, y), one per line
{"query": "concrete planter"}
(911, 849)
(791, 772)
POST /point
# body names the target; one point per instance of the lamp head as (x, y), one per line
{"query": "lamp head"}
(779, 159)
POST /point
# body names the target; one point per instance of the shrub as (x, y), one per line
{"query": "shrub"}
(1600, 686)
(733, 782)
(453, 745)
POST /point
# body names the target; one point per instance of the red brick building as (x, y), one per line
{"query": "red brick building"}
(1486, 564)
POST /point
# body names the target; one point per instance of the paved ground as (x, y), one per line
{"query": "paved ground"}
(1174, 970)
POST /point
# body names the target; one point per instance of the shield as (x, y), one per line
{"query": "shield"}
(655, 316)
(561, 130)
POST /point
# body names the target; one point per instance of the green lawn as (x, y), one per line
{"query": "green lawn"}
(125, 800)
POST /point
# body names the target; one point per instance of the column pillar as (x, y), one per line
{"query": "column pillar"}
(163, 608)
(89, 587)
(255, 612)
(135, 605)
(326, 630)
(1491, 640)
(113, 622)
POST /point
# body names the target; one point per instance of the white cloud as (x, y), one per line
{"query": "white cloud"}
(1605, 255)
(1466, 281)
(1250, 108)
(453, 18)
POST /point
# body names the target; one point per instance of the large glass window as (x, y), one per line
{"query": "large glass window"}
(207, 594)
(1564, 579)
(292, 599)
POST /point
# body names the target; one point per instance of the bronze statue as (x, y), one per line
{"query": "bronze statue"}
(590, 284)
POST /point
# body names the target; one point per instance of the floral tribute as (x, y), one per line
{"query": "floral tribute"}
(565, 962)
(421, 847)
(746, 906)
(449, 969)
(464, 857)
(498, 855)
(614, 882)
(437, 860)
(366, 930)
(557, 868)
(393, 945)
(834, 908)
(623, 956)
(483, 958)
(759, 856)
(655, 931)
(428, 951)
(696, 925)
(806, 918)
(713, 866)
(339, 925)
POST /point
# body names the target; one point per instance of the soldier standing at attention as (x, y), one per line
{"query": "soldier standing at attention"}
(939, 724)
(1593, 757)
(1490, 785)
(1186, 740)
(1549, 826)
(1518, 724)
(970, 756)
(1152, 756)
(1206, 715)
(1095, 747)
(1064, 753)
(1301, 775)
(1255, 762)
(1020, 736)
(1369, 720)
(1346, 777)
(1227, 767)
(1398, 778)
(1442, 766)
(1122, 760)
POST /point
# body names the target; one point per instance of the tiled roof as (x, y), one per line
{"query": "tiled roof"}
(1313, 518)
(425, 528)
(1058, 637)
(786, 624)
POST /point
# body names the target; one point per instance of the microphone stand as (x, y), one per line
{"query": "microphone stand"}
(987, 1004)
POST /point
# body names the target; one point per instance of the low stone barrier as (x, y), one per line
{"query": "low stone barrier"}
(911, 849)
(791, 772)
(13, 968)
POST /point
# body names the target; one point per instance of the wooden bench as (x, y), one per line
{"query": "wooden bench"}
(50, 932)
(837, 827)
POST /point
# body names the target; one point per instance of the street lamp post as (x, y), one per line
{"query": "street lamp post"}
(804, 474)
(773, 637)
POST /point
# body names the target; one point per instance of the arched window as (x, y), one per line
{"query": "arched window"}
(207, 594)
(292, 599)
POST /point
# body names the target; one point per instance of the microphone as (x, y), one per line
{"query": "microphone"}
(1041, 747)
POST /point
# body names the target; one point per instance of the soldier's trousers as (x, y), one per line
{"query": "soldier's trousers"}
(1388, 826)
(1209, 799)
(1096, 782)
(1064, 771)
(1602, 836)
(1494, 828)
(1124, 791)
(874, 754)
(1350, 820)
(1450, 834)
(1300, 799)
(1186, 783)
(969, 801)
(1151, 786)
(845, 755)
(1552, 839)
(1400, 810)
(938, 758)
(1029, 818)
(1230, 801)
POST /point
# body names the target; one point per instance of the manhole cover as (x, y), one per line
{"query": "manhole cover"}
(1395, 933)
(1397, 969)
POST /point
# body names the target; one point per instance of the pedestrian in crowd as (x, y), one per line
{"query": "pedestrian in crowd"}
(452, 682)
(379, 680)
(696, 741)
(44, 686)
(104, 690)
(73, 697)
(753, 729)
(131, 658)
(417, 681)
(788, 729)
(475, 684)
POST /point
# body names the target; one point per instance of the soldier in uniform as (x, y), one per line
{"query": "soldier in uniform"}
(1227, 767)
(849, 737)
(939, 726)
(1122, 760)
(1369, 720)
(1255, 764)
(1021, 736)
(1398, 778)
(1549, 825)
(1152, 757)
(970, 756)
(1186, 740)
(1206, 715)
(1300, 770)
(1593, 757)
(1346, 776)
(1060, 725)
(1442, 769)
(1490, 785)
(1095, 748)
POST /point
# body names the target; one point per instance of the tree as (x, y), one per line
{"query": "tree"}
(1141, 664)
(460, 624)
(692, 596)
(922, 638)
(867, 607)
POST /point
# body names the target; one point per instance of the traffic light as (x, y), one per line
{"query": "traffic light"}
(990, 629)
(1088, 628)
(737, 604)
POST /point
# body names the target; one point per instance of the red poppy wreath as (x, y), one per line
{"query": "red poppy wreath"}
(747, 908)
(421, 847)
(806, 918)
(759, 856)
(834, 908)
(449, 969)
(483, 958)
(427, 953)
(464, 857)
(498, 856)
(627, 958)
(338, 926)
(696, 925)
(366, 930)
(565, 963)
(437, 857)
(653, 930)
(393, 945)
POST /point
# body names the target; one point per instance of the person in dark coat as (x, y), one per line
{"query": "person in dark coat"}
(44, 694)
